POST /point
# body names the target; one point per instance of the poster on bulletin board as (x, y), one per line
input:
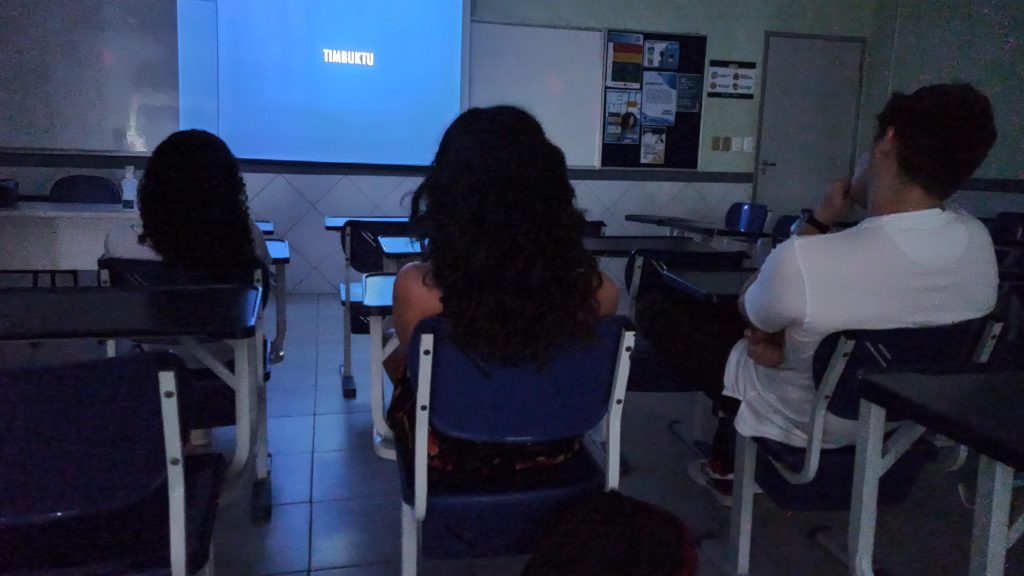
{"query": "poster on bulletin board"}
(653, 92)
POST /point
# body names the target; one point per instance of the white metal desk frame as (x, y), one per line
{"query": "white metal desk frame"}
(992, 535)
(248, 383)
(346, 240)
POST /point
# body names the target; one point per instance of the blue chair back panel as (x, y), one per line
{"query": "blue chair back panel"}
(489, 402)
(366, 254)
(85, 189)
(746, 217)
(783, 228)
(83, 438)
(930, 346)
(1007, 226)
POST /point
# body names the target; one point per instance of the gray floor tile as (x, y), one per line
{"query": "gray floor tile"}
(245, 549)
(353, 474)
(290, 401)
(343, 431)
(329, 399)
(292, 478)
(298, 368)
(290, 434)
(355, 532)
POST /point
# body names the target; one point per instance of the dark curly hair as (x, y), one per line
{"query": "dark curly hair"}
(193, 204)
(943, 133)
(504, 239)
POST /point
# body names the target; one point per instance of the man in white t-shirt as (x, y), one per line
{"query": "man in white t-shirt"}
(911, 263)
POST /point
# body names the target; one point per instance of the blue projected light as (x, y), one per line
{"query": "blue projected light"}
(365, 82)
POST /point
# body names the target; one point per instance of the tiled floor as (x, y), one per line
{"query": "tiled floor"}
(336, 505)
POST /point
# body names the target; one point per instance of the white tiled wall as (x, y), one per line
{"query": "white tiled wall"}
(298, 203)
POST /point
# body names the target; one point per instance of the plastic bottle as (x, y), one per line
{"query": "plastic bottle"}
(129, 188)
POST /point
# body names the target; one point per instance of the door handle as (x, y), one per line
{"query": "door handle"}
(767, 163)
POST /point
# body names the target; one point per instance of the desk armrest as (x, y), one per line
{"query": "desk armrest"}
(279, 251)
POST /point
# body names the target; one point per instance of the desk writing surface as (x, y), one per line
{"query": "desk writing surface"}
(279, 252)
(622, 246)
(68, 209)
(378, 289)
(338, 222)
(981, 410)
(222, 312)
(266, 227)
(713, 286)
(399, 246)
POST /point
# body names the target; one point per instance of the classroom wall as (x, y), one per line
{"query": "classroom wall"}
(298, 203)
(735, 31)
(978, 41)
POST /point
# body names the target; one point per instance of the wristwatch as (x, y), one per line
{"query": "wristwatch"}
(818, 225)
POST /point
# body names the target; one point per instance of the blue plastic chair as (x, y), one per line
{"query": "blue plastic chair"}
(783, 228)
(464, 398)
(93, 479)
(746, 217)
(813, 478)
(86, 189)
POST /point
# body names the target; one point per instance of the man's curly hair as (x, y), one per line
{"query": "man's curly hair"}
(943, 133)
(193, 204)
(504, 239)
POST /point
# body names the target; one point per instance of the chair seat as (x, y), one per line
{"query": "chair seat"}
(131, 540)
(470, 516)
(831, 487)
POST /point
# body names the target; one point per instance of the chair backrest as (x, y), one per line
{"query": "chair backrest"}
(491, 402)
(594, 228)
(366, 255)
(652, 260)
(1007, 226)
(82, 438)
(8, 192)
(945, 345)
(86, 189)
(129, 272)
(783, 228)
(746, 217)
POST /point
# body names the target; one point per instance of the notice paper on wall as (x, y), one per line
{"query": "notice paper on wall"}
(659, 99)
(652, 145)
(625, 60)
(688, 92)
(661, 54)
(622, 117)
(727, 79)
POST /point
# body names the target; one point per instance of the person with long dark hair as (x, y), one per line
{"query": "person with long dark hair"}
(193, 206)
(503, 262)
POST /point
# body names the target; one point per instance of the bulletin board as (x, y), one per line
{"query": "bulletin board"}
(653, 100)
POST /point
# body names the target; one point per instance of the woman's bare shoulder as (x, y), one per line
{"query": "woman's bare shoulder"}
(607, 296)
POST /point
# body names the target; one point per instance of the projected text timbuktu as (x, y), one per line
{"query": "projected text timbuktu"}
(348, 57)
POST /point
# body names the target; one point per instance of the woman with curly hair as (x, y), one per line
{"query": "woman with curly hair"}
(192, 203)
(503, 262)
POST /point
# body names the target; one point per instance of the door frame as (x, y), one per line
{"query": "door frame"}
(768, 35)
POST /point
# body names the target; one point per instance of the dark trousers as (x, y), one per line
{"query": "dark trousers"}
(693, 339)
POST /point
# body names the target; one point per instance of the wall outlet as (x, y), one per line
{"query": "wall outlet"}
(726, 143)
(716, 143)
(748, 144)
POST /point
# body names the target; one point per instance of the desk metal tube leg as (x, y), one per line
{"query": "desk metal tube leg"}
(742, 515)
(348, 383)
(281, 300)
(244, 391)
(991, 518)
(262, 495)
(381, 431)
(866, 475)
